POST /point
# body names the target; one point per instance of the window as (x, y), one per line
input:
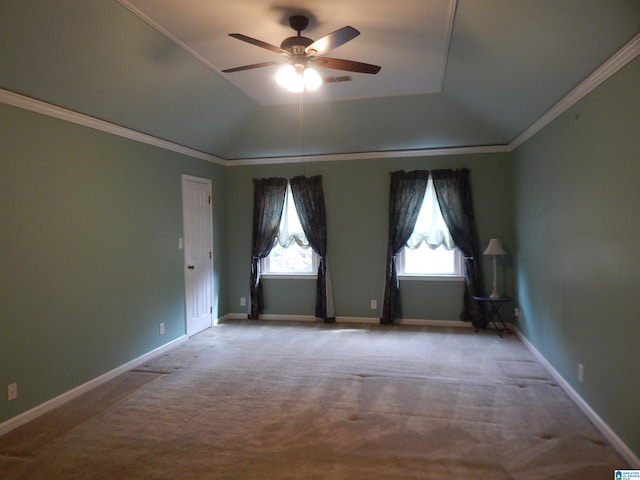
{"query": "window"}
(430, 251)
(291, 254)
(293, 260)
(425, 262)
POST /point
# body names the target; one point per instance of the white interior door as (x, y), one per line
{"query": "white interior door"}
(198, 253)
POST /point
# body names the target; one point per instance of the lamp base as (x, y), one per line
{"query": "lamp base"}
(494, 294)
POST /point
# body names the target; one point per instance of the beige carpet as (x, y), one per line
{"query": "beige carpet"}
(276, 400)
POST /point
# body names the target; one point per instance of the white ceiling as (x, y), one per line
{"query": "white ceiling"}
(409, 39)
(456, 74)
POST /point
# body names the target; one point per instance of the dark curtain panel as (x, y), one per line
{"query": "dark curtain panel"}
(453, 189)
(308, 197)
(406, 194)
(268, 201)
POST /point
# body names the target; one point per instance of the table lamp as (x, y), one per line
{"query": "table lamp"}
(494, 248)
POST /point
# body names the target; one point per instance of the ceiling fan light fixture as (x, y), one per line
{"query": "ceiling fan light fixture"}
(312, 80)
(288, 78)
(298, 79)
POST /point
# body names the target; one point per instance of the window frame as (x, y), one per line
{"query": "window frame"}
(458, 275)
(430, 201)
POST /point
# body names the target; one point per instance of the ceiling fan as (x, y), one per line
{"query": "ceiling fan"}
(296, 75)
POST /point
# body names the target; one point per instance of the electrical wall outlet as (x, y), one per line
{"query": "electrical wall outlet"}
(374, 304)
(243, 302)
(12, 391)
(162, 329)
(516, 312)
(581, 373)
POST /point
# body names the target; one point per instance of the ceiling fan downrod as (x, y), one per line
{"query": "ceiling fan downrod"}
(297, 45)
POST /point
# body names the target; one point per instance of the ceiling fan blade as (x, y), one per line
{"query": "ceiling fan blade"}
(252, 66)
(348, 65)
(259, 43)
(331, 41)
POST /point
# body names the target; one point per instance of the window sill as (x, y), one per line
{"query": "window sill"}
(290, 276)
(432, 278)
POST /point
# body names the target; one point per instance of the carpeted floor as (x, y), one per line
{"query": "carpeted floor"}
(281, 400)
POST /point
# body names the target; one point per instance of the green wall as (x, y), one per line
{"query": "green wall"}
(357, 196)
(577, 231)
(90, 263)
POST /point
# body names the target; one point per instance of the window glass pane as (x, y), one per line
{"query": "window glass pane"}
(424, 261)
(430, 226)
(293, 259)
(290, 230)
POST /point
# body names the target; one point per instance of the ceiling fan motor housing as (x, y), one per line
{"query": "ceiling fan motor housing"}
(296, 45)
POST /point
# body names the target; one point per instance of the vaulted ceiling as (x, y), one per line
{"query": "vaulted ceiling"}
(455, 73)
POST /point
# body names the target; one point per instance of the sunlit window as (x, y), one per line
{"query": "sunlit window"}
(424, 261)
(430, 251)
(291, 254)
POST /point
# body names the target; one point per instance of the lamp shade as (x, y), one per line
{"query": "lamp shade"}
(494, 247)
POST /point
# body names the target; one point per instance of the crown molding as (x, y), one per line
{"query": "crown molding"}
(621, 58)
(425, 152)
(38, 106)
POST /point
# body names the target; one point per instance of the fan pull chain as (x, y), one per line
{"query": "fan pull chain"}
(301, 125)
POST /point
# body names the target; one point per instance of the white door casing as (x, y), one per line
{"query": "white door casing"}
(198, 253)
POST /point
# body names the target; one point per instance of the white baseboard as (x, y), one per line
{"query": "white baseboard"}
(617, 443)
(290, 318)
(364, 320)
(55, 402)
(417, 322)
(435, 323)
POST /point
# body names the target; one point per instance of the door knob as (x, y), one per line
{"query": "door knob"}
(191, 267)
